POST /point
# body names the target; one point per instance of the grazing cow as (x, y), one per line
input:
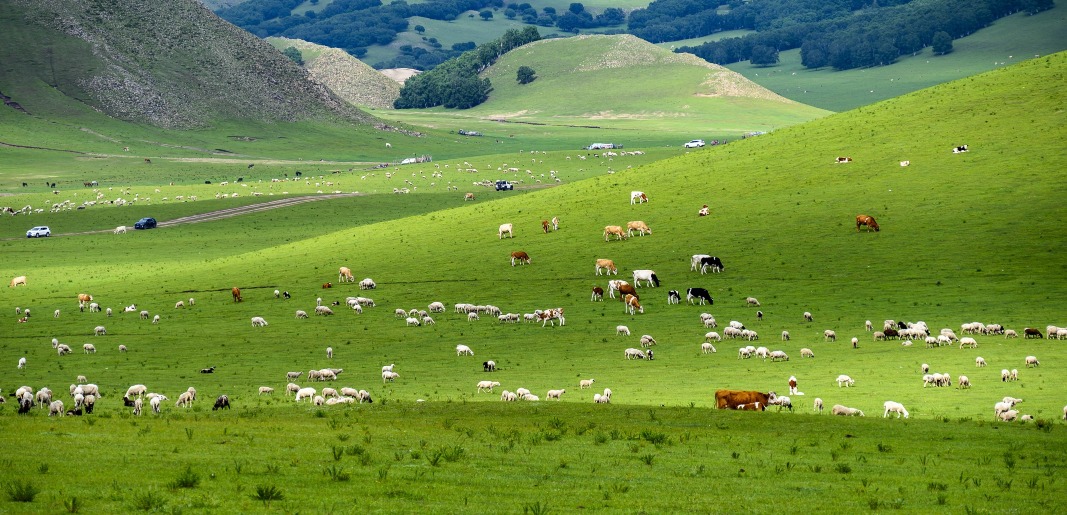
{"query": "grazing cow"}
(712, 262)
(698, 294)
(613, 286)
(648, 276)
(208, 370)
(545, 225)
(673, 297)
(468, 196)
(344, 275)
(84, 297)
(639, 226)
(905, 163)
(735, 399)
(960, 149)
(236, 294)
(505, 228)
(607, 265)
(614, 230)
(598, 294)
(551, 315)
(704, 211)
(632, 304)
(625, 289)
(522, 257)
(867, 221)
(843, 160)
(638, 197)
(22, 279)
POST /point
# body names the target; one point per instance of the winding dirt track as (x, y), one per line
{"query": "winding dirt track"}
(234, 211)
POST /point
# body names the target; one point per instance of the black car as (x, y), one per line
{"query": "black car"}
(145, 223)
(504, 186)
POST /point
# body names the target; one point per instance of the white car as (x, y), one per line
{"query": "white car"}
(695, 143)
(37, 232)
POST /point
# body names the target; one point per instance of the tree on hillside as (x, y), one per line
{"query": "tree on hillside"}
(576, 8)
(942, 43)
(763, 55)
(420, 29)
(294, 54)
(525, 75)
(486, 15)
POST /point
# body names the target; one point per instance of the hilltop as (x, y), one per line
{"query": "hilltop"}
(347, 77)
(172, 65)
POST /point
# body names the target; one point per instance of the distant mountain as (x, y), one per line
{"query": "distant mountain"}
(348, 77)
(171, 64)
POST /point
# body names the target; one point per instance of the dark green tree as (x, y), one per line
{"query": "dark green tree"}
(525, 75)
(294, 54)
(942, 43)
(576, 8)
(763, 55)
(486, 15)
(420, 29)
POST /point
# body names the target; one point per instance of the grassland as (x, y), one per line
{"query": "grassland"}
(1008, 41)
(964, 237)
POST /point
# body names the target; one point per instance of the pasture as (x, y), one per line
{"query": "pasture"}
(954, 247)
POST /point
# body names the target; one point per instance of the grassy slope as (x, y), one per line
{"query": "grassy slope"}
(1008, 41)
(954, 247)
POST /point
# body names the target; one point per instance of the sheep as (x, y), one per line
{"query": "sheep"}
(323, 310)
(487, 386)
(522, 392)
(530, 397)
(427, 320)
(437, 307)
(289, 376)
(806, 353)
(1031, 361)
(90, 403)
(389, 367)
(964, 382)
(508, 396)
(779, 356)
(894, 407)
(330, 392)
(967, 341)
(62, 349)
(585, 383)
(632, 353)
(22, 363)
(744, 353)
(707, 348)
(122, 348)
(305, 393)
(925, 368)
(184, 400)
(785, 336)
(1065, 413)
(400, 313)
(301, 313)
(868, 326)
(712, 336)
(979, 361)
(463, 350)
(621, 330)
(137, 405)
(472, 316)
(607, 393)
(751, 301)
(1010, 333)
(82, 380)
(180, 304)
(829, 335)
(708, 320)
(856, 342)
(489, 366)
(818, 405)
(99, 330)
(389, 376)
(137, 390)
(89, 348)
(1009, 415)
(318, 400)
(1026, 418)
(647, 340)
(55, 408)
(329, 352)
(762, 352)
(155, 403)
(844, 380)
(266, 390)
(43, 397)
(555, 394)
(781, 401)
(846, 411)
(292, 388)
(367, 284)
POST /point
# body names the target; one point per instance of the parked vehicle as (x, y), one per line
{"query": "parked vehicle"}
(697, 143)
(37, 232)
(145, 223)
(504, 186)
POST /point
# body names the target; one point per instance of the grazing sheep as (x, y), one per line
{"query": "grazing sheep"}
(464, 350)
(967, 341)
(622, 330)
(647, 340)
(585, 383)
(318, 400)
(508, 396)
(964, 382)
(329, 352)
(751, 301)
(894, 407)
(82, 380)
(925, 368)
(778, 356)
(292, 388)
(845, 411)
(632, 353)
(472, 316)
(62, 349)
(22, 363)
(266, 390)
(844, 380)
(829, 335)
(367, 284)
(808, 317)
(184, 400)
(818, 405)
(1010, 333)
(137, 390)
(489, 366)
(293, 375)
(155, 402)
(155, 319)
(323, 310)
(785, 336)
(301, 313)
(305, 393)
(179, 305)
(555, 394)
(99, 330)
(707, 348)
(487, 386)
(806, 353)
(1026, 418)
(389, 367)
(1031, 361)
(1006, 416)
(744, 353)
(389, 376)
(330, 392)
(55, 408)
(712, 336)
(122, 348)
(530, 397)
(869, 326)
(979, 361)
(89, 348)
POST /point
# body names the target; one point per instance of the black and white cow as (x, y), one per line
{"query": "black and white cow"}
(695, 294)
(673, 297)
(712, 262)
(960, 149)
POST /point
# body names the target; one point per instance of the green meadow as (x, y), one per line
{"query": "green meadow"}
(964, 237)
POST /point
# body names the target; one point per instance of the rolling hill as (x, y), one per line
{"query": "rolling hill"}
(347, 77)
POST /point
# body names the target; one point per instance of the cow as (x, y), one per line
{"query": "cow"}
(646, 275)
(22, 280)
(639, 226)
(327, 285)
(712, 262)
(638, 197)
(698, 294)
(607, 265)
(614, 230)
(960, 149)
(505, 228)
(704, 211)
(840, 160)
(868, 221)
(598, 294)
(733, 399)
(468, 196)
(632, 304)
(626, 289)
(522, 257)
(236, 294)
(344, 275)
(673, 297)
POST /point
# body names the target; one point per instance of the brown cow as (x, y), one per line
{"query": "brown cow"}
(84, 297)
(545, 225)
(868, 221)
(733, 399)
(522, 257)
(598, 294)
(327, 285)
(236, 294)
(614, 229)
(627, 289)
(632, 304)
(468, 196)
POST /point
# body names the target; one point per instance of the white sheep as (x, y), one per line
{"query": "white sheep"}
(330, 392)
(266, 390)
(751, 301)
(259, 322)
(508, 396)
(829, 335)
(779, 356)
(89, 348)
(632, 353)
(785, 336)
(621, 330)
(22, 363)
(487, 386)
(967, 341)
(647, 340)
(846, 411)
(463, 350)
(844, 380)
(389, 376)
(389, 367)
(744, 353)
(137, 390)
(99, 330)
(122, 348)
(1009, 415)
(155, 402)
(82, 380)
(55, 408)
(180, 304)
(318, 400)
(1031, 361)
(427, 320)
(323, 310)
(530, 397)
(806, 353)
(710, 336)
(818, 405)
(964, 382)
(781, 401)
(555, 394)
(301, 313)
(585, 383)
(292, 388)
(155, 319)
(55, 314)
(707, 348)
(894, 407)
(979, 361)
(868, 326)
(472, 316)
(522, 392)
(305, 393)
(808, 317)
(185, 399)
(329, 352)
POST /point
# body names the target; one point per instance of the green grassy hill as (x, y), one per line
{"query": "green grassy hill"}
(964, 237)
(1008, 41)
